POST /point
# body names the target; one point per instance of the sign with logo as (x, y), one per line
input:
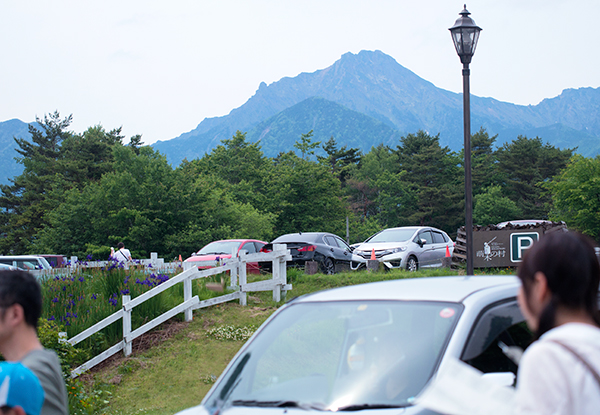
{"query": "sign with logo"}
(520, 242)
(502, 248)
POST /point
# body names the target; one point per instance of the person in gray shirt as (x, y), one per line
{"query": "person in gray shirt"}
(20, 310)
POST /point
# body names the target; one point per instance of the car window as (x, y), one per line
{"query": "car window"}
(220, 247)
(344, 353)
(342, 244)
(249, 247)
(258, 246)
(393, 235)
(502, 322)
(330, 240)
(425, 235)
(438, 237)
(26, 264)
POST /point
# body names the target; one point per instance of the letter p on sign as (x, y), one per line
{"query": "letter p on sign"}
(519, 243)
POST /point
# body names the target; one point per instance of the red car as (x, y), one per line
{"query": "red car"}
(210, 255)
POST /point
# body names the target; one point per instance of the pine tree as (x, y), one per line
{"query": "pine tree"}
(341, 160)
(24, 202)
(434, 180)
(527, 163)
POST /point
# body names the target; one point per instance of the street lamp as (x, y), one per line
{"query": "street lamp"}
(465, 34)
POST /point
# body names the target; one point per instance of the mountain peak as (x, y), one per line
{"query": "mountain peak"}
(376, 85)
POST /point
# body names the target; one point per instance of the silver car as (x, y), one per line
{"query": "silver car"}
(26, 262)
(409, 247)
(371, 347)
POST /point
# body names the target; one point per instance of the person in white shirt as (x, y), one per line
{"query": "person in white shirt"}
(559, 373)
(122, 254)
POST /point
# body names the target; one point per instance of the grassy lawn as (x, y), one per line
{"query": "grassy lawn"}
(179, 369)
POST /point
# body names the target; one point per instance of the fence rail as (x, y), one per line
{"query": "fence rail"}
(237, 269)
(154, 263)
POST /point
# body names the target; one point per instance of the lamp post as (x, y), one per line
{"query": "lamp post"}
(465, 34)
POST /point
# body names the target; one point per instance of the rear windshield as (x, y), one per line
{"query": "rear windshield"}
(298, 237)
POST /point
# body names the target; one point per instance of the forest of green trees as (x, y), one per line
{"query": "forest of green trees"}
(79, 194)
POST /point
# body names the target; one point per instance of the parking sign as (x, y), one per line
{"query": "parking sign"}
(519, 243)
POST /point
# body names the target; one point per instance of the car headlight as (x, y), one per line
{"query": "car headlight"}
(400, 249)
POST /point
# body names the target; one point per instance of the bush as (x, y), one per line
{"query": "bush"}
(83, 399)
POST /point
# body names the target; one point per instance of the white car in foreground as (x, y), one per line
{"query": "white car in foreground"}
(409, 247)
(371, 347)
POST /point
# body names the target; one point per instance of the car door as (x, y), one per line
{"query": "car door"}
(347, 252)
(498, 325)
(426, 255)
(339, 255)
(250, 248)
(439, 247)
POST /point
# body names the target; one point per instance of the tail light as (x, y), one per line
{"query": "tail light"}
(307, 248)
(265, 250)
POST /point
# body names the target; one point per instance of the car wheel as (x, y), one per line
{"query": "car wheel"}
(328, 266)
(412, 264)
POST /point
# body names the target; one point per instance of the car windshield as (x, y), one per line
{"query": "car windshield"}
(220, 247)
(44, 263)
(393, 235)
(343, 355)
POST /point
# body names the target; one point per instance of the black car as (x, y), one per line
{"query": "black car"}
(330, 251)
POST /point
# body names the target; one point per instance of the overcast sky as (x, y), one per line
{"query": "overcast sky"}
(158, 68)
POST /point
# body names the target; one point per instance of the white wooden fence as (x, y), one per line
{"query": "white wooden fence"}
(153, 263)
(237, 268)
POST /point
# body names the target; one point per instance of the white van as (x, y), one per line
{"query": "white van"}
(26, 262)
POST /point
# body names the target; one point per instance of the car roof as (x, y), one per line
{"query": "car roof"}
(236, 240)
(301, 235)
(19, 256)
(446, 289)
(413, 228)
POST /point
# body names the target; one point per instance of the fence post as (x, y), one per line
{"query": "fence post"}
(243, 277)
(279, 273)
(233, 274)
(73, 263)
(283, 272)
(154, 259)
(187, 295)
(126, 325)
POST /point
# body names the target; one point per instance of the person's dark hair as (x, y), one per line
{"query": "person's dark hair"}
(569, 262)
(120, 245)
(20, 287)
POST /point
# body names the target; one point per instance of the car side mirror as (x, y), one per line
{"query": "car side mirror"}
(422, 242)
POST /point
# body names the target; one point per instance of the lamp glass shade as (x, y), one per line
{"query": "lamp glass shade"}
(465, 34)
(465, 40)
